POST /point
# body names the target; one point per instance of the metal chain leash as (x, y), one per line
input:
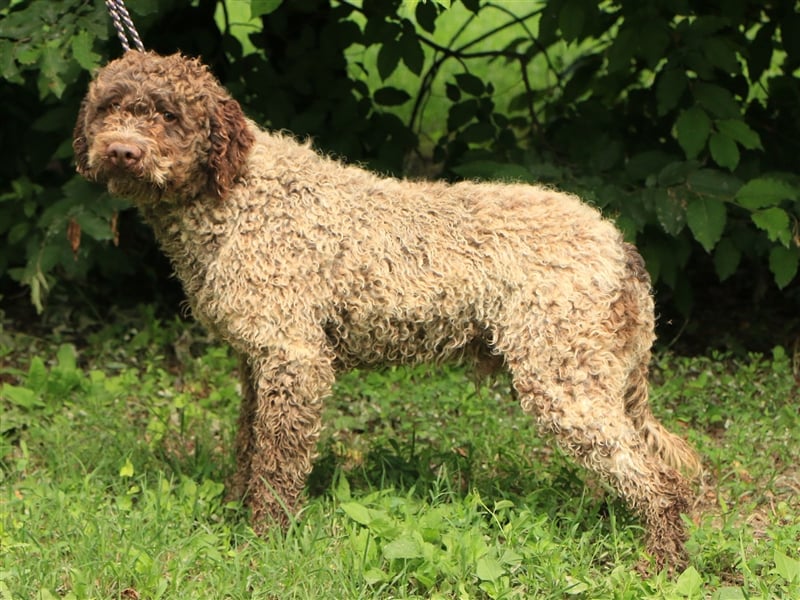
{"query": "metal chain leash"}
(124, 25)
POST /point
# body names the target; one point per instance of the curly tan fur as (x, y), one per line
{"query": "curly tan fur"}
(307, 267)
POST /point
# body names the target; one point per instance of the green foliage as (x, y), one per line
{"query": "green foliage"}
(113, 458)
(709, 98)
(45, 50)
(678, 121)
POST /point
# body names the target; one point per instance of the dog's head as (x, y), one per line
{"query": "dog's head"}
(160, 127)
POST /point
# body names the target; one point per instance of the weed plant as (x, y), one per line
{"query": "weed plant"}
(115, 443)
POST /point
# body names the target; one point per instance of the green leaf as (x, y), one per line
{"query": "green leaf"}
(765, 191)
(67, 358)
(759, 51)
(452, 92)
(127, 469)
(37, 374)
(94, 226)
(669, 89)
(706, 218)
(488, 569)
(622, 49)
(21, 396)
(18, 232)
(676, 172)
(741, 132)
(571, 19)
(53, 65)
(643, 165)
(82, 51)
(470, 83)
(388, 59)
(783, 264)
(693, 128)
(729, 593)
(374, 575)
(27, 54)
(461, 113)
(405, 546)
(426, 14)
(670, 211)
(39, 289)
(717, 100)
(263, 7)
(8, 67)
(713, 182)
(775, 222)
(726, 258)
(724, 151)
(653, 41)
(358, 512)
(689, 584)
(391, 96)
(628, 227)
(476, 133)
(342, 489)
(381, 31)
(51, 254)
(411, 51)
(720, 52)
(787, 567)
(472, 5)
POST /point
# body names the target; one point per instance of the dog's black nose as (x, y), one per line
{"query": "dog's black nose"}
(124, 155)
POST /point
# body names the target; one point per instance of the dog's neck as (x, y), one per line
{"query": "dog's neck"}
(183, 234)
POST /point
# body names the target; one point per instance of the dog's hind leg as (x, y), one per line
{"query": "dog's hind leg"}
(585, 413)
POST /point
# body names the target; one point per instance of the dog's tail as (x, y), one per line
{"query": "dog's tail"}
(671, 448)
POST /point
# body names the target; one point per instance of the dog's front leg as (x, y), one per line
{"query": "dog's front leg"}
(239, 483)
(282, 410)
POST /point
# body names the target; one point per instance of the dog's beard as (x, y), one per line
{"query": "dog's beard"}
(145, 189)
(132, 188)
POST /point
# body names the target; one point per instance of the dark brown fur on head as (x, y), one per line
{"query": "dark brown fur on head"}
(160, 128)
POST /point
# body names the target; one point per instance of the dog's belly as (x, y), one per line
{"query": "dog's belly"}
(385, 340)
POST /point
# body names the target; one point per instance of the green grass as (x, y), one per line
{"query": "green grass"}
(113, 459)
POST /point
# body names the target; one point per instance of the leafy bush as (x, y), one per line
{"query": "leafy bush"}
(678, 121)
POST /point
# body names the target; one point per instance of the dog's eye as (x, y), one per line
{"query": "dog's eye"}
(169, 117)
(109, 107)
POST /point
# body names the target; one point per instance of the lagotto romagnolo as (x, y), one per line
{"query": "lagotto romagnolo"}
(308, 267)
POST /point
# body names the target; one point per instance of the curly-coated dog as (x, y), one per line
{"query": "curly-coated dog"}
(307, 266)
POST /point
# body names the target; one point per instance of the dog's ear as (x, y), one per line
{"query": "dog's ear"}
(231, 139)
(79, 144)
